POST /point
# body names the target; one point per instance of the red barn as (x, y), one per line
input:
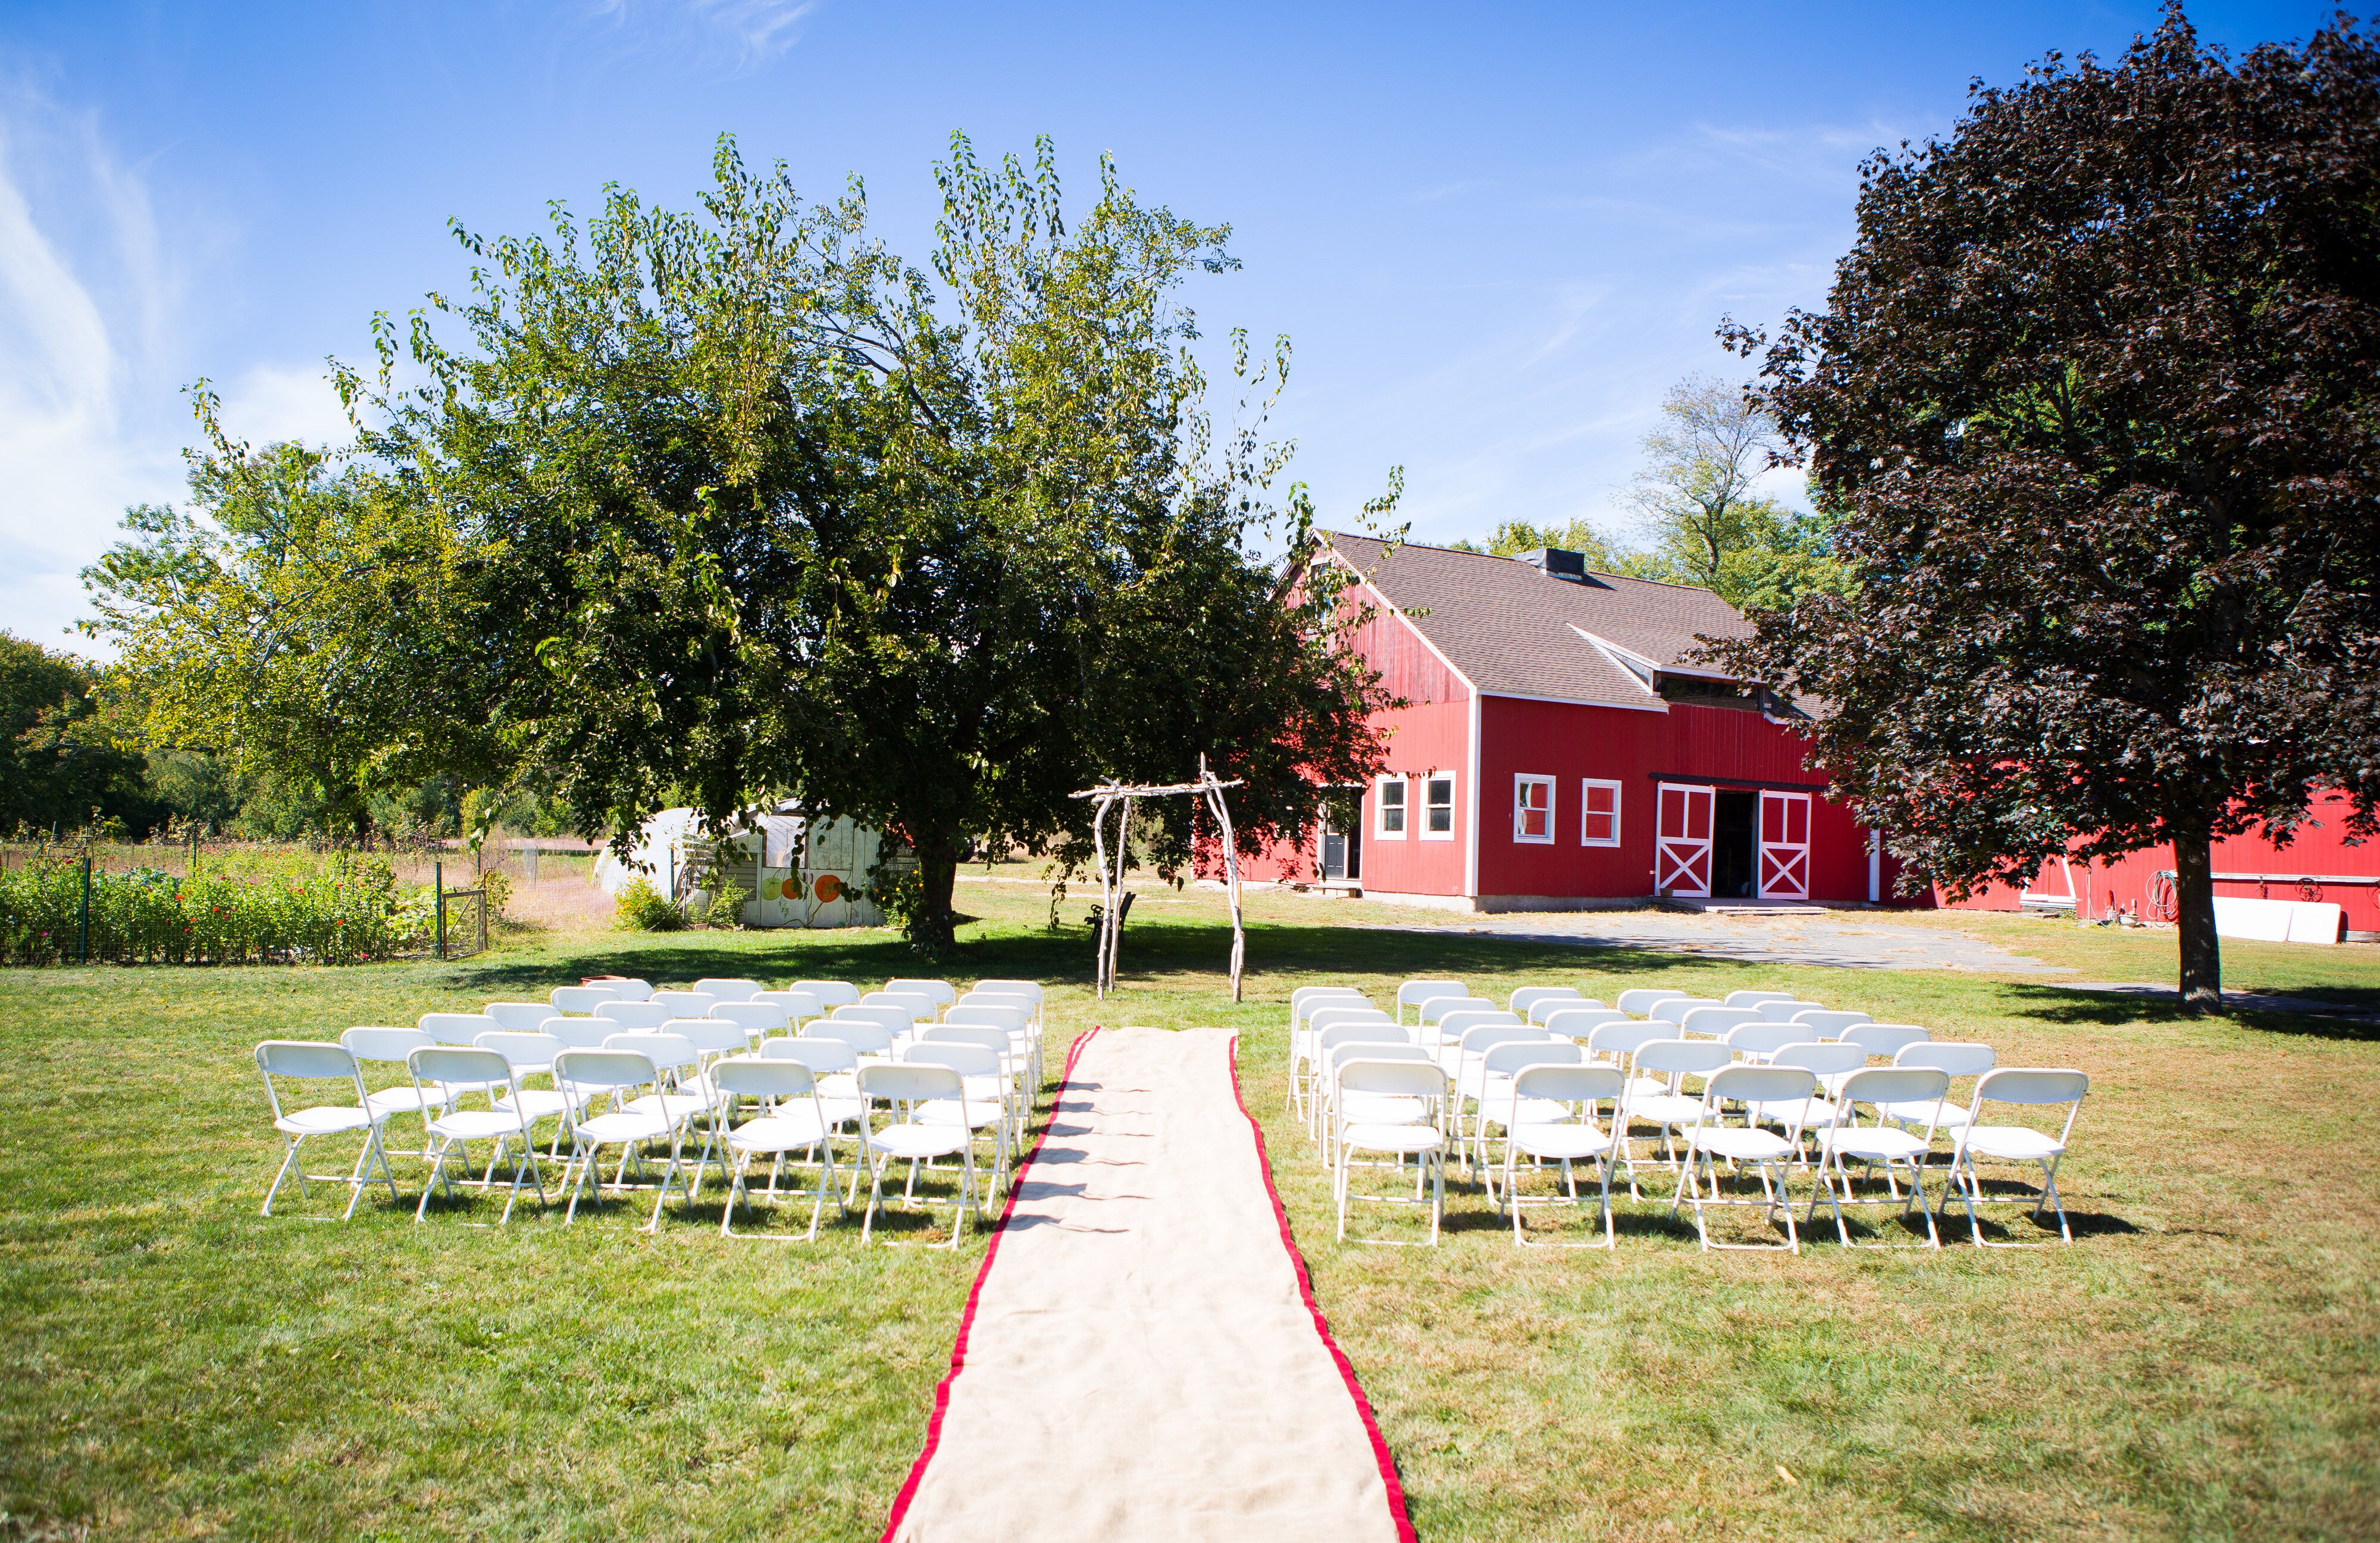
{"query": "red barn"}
(1557, 751)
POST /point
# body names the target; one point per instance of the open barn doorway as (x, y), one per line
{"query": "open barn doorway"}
(1735, 843)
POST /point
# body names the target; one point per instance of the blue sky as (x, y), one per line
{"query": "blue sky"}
(1495, 233)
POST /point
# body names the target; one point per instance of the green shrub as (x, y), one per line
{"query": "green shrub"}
(325, 913)
(639, 907)
(498, 887)
(726, 908)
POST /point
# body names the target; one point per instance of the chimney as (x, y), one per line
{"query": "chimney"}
(1556, 563)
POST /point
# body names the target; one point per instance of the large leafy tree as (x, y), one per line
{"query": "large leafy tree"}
(2097, 396)
(754, 508)
(62, 761)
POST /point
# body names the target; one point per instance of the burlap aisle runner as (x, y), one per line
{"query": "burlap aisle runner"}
(1141, 1359)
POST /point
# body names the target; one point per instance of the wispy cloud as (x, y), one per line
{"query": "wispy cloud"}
(746, 33)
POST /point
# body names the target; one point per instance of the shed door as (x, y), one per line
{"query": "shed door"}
(1784, 845)
(1681, 840)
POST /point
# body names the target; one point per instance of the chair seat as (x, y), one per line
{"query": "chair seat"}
(848, 1110)
(1665, 1109)
(784, 1131)
(912, 1140)
(1872, 1143)
(542, 1103)
(474, 1124)
(1809, 1115)
(402, 1100)
(326, 1119)
(1741, 1143)
(1561, 1138)
(1382, 1108)
(1392, 1137)
(676, 1108)
(2012, 1143)
(1501, 1110)
(1919, 1112)
(839, 1087)
(981, 1113)
(624, 1124)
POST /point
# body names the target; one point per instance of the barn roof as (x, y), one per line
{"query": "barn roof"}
(1514, 630)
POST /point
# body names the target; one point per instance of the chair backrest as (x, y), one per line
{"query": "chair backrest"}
(753, 1077)
(942, 993)
(892, 1019)
(831, 994)
(1782, 1012)
(579, 1034)
(1412, 993)
(1575, 1021)
(384, 1044)
(1761, 1084)
(909, 1081)
(1673, 1010)
(1958, 1058)
(1013, 988)
(602, 1071)
(1407, 1078)
(316, 1059)
(1897, 1085)
(1454, 1025)
(685, 1004)
(710, 1036)
(1885, 1040)
(1029, 1006)
(581, 998)
(1754, 999)
(2031, 1084)
(1824, 1058)
(457, 1063)
(1008, 1020)
(1542, 1011)
(1830, 1022)
(1505, 1059)
(1759, 1039)
(1691, 1057)
(752, 1014)
(1376, 1033)
(636, 1015)
(981, 1035)
(1579, 1084)
(457, 1029)
(1620, 1037)
(819, 1056)
(1361, 1012)
(663, 1050)
(922, 1009)
(1480, 1039)
(1528, 997)
(522, 1047)
(1639, 1000)
(629, 988)
(864, 1034)
(969, 1061)
(519, 1015)
(1306, 999)
(1436, 1009)
(729, 989)
(800, 1006)
(1716, 1021)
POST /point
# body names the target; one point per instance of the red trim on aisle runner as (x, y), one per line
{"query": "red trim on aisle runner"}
(966, 1318)
(1322, 1325)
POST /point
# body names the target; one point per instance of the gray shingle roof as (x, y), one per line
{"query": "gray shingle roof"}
(1512, 630)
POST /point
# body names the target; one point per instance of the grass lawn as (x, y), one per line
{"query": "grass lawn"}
(2200, 1363)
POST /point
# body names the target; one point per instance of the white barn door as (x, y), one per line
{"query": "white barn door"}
(1784, 845)
(1681, 840)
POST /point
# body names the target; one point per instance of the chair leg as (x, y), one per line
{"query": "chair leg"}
(289, 1156)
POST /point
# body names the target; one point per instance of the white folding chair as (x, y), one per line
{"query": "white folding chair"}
(990, 1095)
(1491, 1092)
(1575, 1021)
(2022, 1086)
(457, 1029)
(1754, 999)
(1422, 1139)
(1885, 1042)
(1782, 1012)
(1828, 1023)
(1958, 1059)
(1826, 1060)
(684, 1005)
(310, 1061)
(1757, 1040)
(831, 994)
(896, 1022)
(791, 1119)
(1658, 1094)
(908, 1087)
(1673, 1010)
(582, 1000)
(1544, 1009)
(1883, 1146)
(1639, 1001)
(799, 1007)
(1373, 1028)
(729, 988)
(1570, 1133)
(1528, 997)
(942, 993)
(1303, 1001)
(458, 1073)
(835, 1066)
(1711, 1139)
(1713, 1023)
(921, 1008)
(757, 1019)
(1412, 993)
(627, 987)
(579, 1034)
(1015, 1001)
(389, 1046)
(529, 1053)
(636, 1015)
(637, 1116)
(519, 1015)
(1304, 1094)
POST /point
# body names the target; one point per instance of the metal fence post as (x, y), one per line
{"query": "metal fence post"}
(438, 884)
(84, 946)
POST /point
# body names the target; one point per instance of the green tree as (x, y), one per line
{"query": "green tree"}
(63, 759)
(757, 509)
(2094, 394)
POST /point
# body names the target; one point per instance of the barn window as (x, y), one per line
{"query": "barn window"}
(1533, 810)
(1437, 807)
(1390, 805)
(1598, 803)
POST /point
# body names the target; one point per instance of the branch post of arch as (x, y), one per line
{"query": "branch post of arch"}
(1118, 797)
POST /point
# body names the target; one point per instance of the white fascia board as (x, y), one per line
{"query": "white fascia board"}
(1643, 678)
(1607, 645)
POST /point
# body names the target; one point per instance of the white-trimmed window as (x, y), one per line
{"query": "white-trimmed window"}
(1599, 812)
(1388, 806)
(1533, 810)
(1437, 807)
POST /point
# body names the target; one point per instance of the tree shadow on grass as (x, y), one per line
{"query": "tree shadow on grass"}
(2058, 1004)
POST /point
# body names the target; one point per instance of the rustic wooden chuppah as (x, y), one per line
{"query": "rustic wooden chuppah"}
(1119, 796)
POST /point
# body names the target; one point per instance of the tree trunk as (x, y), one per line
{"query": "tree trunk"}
(935, 925)
(2202, 953)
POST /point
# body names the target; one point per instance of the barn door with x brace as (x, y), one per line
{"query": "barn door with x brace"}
(1681, 840)
(1784, 845)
